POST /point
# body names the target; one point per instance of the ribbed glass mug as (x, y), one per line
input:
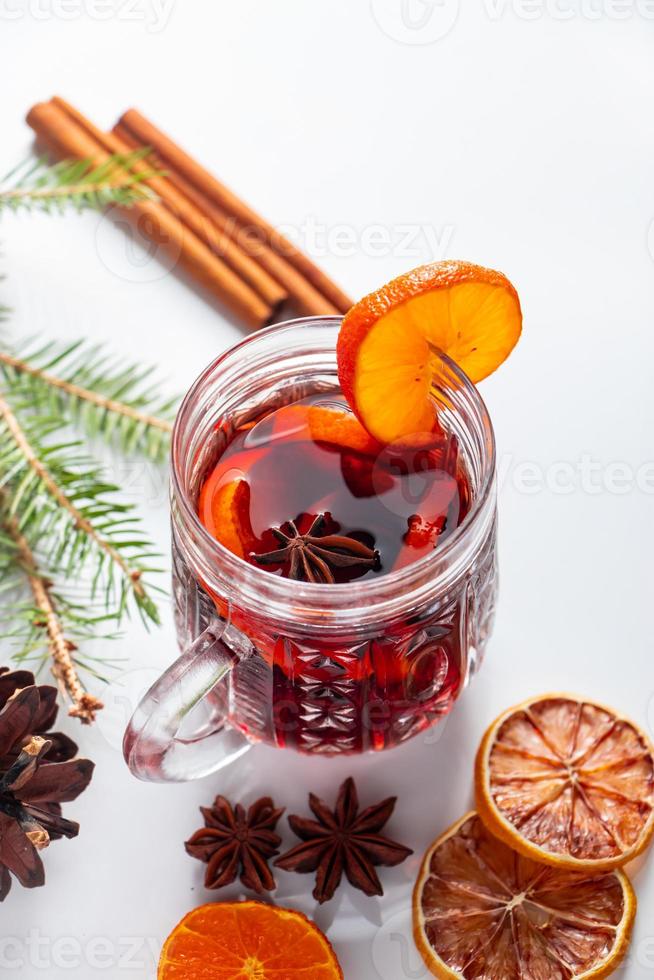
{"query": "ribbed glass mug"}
(323, 669)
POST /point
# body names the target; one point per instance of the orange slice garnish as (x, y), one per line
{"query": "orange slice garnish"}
(567, 782)
(483, 912)
(247, 941)
(224, 509)
(389, 341)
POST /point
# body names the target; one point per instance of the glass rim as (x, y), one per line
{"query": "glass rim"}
(289, 592)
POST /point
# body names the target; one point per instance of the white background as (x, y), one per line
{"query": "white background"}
(514, 134)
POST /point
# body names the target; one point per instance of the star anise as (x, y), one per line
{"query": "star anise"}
(234, 841)
(37, 774)
(343, 841)
(309, 556)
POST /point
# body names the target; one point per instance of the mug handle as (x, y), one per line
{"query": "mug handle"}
(153, 747)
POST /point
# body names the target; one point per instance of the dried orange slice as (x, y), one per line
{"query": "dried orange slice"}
(567, 782)
(247, 941)
(483, 912)
(389, 341)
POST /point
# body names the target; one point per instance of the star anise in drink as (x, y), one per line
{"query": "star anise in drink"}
(234, 841)
(343, 840)
(312, 556)
(38, 772)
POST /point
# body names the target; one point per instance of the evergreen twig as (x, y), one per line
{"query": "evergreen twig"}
(46, 617)
(66, 500)
(108, 397)
(49, 493)
(79, 184)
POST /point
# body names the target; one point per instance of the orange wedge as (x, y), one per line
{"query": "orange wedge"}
(247, 941)
(568, 783)
(483, 912)
(225, 512)
(389, 342)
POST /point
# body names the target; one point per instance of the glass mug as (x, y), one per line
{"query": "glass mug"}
(323, 669)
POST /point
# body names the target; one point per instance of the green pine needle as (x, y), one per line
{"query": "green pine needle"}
(42, 625)
(108, 397)
(59, 496)
(73, 558)
(22, 627)
(78, 184)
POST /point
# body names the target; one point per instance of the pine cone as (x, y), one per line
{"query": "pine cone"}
(38, 773)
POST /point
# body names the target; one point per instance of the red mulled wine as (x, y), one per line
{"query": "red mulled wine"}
(303, 492)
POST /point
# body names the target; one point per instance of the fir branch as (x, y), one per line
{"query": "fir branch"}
(48, 492)
(46, 617)
(63, 498)
(21, 621)
(80, 184)
(108, 397)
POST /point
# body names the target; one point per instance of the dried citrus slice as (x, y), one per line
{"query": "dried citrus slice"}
(224, 510)
(483, 912)
(567, 782)
(389, 341)
(247, 941)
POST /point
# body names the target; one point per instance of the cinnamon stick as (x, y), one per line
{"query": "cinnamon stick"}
(157, 162)
(220, 217)
(148, 135)
(221, 244)
(57, 129)
(306, 299)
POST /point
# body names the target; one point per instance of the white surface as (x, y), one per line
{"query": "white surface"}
(522, 139)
